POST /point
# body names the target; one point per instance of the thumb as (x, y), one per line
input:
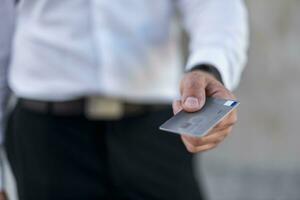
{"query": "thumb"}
(193, 94)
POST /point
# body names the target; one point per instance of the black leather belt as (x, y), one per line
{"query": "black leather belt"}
(77, 107)
(74, 107)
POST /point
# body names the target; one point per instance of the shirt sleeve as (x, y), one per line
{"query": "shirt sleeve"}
(7, 13)
(218, 32)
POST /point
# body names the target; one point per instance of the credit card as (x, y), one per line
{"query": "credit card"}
(199, 123)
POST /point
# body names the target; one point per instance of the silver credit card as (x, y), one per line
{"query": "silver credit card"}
(201, 122)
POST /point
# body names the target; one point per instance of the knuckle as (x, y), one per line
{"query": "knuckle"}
(193, 85)
(192, 149)
(194, 80)
(209, 147)
(226, 131)
(196, 75)
(230, 124)
(218, 85)
(229, 130)
(225, 93)
(234, 118)
(214, 145)
(193, 141)
(198, 141)
(220, 139)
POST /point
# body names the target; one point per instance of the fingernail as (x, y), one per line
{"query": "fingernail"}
(192, 102)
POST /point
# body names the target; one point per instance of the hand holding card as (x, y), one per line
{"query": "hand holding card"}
(196, 87)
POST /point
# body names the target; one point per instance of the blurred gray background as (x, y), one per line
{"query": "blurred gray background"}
(261, 159)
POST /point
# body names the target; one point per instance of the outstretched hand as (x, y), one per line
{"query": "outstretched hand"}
(194, 88)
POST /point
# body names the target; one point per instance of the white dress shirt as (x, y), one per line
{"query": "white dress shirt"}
(127, 49)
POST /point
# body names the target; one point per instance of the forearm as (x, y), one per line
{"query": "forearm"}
(218, 32)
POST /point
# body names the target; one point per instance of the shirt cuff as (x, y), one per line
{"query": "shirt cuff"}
(215, 57)
(209, 69)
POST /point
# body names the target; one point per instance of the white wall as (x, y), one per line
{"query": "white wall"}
(261, 159)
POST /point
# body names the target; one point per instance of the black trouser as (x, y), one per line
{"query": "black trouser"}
(69, 158)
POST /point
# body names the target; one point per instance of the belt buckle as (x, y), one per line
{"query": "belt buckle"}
(103, 108)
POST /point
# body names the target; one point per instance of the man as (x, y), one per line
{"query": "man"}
(93, 80)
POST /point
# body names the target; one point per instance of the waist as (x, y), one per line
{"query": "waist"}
(94, 108)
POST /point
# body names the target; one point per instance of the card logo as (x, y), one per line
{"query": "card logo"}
(230, 103)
